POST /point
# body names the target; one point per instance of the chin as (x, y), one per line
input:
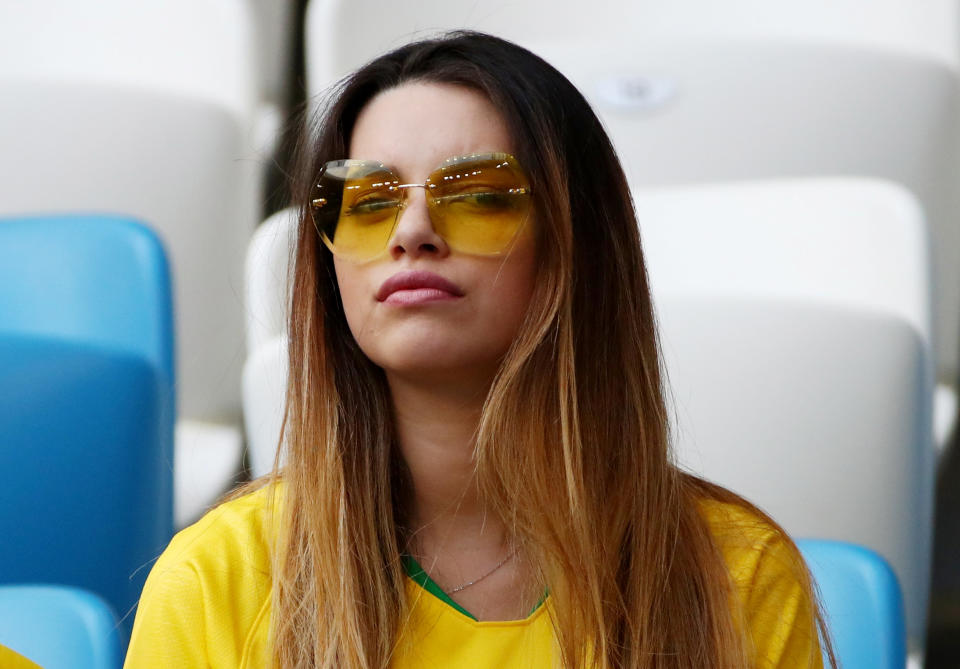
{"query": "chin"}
(429, 364)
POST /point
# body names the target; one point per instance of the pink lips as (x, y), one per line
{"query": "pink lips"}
(414, 287)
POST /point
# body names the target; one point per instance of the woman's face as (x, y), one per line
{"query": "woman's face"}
(399, 317)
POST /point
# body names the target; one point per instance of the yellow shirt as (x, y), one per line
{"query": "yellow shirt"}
(207, 602)
(10, 659)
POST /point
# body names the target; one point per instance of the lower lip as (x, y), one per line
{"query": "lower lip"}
(419, 296)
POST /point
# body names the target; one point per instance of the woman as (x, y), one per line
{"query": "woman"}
(478, 469)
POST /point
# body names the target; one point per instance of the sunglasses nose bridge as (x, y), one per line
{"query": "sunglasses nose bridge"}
(405, 196)
(406, 201)
(405, 188)
(414, 230)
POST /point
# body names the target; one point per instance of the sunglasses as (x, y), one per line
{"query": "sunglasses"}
(476, 203)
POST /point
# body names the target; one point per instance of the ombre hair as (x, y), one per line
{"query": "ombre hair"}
(572, 449)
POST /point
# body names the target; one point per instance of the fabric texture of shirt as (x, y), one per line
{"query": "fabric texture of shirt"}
(207, 602)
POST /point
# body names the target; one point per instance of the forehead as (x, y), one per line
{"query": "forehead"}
(416, 126)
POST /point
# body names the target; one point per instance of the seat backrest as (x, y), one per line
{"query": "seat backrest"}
(340, 35)
(267, 278)
(797, 356)
(100, 280)
(691, 93)
(862, 602)
(830, 241)
(101, 113)
(86, 404)
(59, 627)
(267, 292)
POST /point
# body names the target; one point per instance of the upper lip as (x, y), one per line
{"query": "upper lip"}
(413, 279)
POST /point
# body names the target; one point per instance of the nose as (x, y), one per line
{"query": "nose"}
(414, 235)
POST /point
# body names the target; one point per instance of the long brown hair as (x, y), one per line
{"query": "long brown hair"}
(605, 518)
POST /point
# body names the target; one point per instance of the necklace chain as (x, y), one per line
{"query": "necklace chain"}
(477, 580)
(466, 585)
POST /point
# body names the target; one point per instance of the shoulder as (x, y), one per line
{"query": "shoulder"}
(207, 594)
(772, 593)
(748, 540)
(234, 535)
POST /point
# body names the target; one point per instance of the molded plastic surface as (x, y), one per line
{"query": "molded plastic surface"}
(145, 109)
(102, 280)
(86, 404)
(117, 44)
(798, 356)
(264, 401)
(150, 109)
(267, 285)
(267, 293)
(862, 602)
(208, 457)
(59, 627)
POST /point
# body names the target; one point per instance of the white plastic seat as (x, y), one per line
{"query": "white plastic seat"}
(264, 397)
(696, 92)
(794, 322)
(148, 109)
(265, 370)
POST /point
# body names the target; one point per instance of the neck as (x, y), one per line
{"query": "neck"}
(436, 428)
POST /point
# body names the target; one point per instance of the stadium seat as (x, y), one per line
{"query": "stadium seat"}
(59, 627)
(149, 109)
(798, 356)
(265, 370)
(695, 92)
(862, 603)
(86, 404)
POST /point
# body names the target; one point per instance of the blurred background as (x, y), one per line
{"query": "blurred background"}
(794, 168)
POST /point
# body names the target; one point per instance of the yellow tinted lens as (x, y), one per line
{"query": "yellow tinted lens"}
(479, 203)
(355, 207)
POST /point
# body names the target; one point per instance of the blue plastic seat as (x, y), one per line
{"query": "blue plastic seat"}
(862, 601)
(86, 404)
(59, 627)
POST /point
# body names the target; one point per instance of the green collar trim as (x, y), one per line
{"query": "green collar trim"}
(419, 576)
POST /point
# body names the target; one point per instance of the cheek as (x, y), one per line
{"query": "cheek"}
(353, 295)
(519, 289)
(511, 293)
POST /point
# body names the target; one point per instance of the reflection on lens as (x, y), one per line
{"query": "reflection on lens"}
(477, 203)
(361, 203)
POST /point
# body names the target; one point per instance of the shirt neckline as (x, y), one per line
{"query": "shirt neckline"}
(418, 575)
